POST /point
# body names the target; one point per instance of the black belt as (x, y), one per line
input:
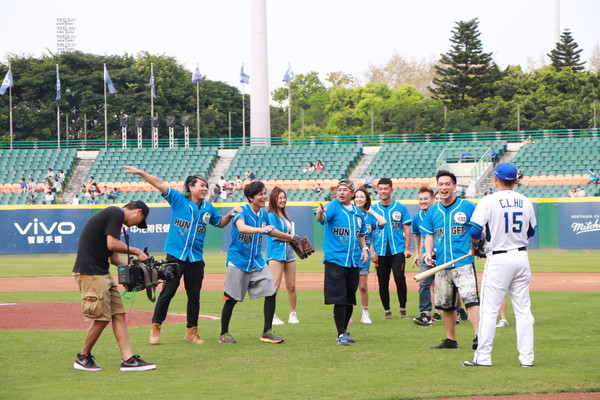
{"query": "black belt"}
(506, 251)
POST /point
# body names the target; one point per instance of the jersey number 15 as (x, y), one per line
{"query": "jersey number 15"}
(516, 221)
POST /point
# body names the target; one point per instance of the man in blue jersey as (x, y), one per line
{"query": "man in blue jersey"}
(246, 268)
(446, 228)
(344, 246)
(426, 200)
(184, 246)
(391, 245)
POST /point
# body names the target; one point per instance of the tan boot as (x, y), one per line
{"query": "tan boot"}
(155, 334)
(192, 335)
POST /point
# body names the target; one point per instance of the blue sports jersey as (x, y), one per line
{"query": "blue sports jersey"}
(343, 226)
(244, 249)
(391, 234)
(416, 229)
(185, 240)
(449, 227)
(371, 223)
(277, 249)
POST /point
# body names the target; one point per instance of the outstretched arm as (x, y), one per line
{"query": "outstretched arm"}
(151, 179)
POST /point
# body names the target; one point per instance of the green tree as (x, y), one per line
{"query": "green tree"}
(566, 53)
(465, 74)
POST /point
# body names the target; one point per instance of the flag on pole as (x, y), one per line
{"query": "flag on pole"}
(289, 75)
(152, 81)
(7, 82)
(57, 84)
(108, 81)
(243, 77)
(197, 76)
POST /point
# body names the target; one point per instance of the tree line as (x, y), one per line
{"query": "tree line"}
(464, 91)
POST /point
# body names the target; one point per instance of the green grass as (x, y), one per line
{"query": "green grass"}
(56, 265)
(391, 359)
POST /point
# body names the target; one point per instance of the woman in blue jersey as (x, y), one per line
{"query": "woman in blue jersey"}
(280, 256)
(184, 246)
(362, 199)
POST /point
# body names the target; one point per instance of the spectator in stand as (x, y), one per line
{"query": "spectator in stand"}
(31, 186)
(105, 191)
(310, 167)
(49, 174)
(519, 176)
(488, 192)
(580, 192)
(216, 193)
(114, 194)
(318, 189)
(493, 154)
(49, 186)
(222, 184)
(593, 177)
(48, 198)
(58, 186)
(92, 200)
(61, 175)
(250, 176)
(573, 192)
(466, 156)
(238, 183)
(369, 180)
(23, 186)
(75, 200)
(31, 200)
(529, 140)
(319, 166)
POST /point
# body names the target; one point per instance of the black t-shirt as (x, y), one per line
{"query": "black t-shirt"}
(92, 251)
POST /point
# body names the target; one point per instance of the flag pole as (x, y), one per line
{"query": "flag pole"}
(289, 113)
(105, 113)
(243, 116)
(57, 115)
(198, 113)
(151, 90)
(10, 115)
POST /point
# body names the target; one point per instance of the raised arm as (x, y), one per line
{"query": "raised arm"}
(151, 179)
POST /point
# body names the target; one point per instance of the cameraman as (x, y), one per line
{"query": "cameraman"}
(184, 246)
(99, 243)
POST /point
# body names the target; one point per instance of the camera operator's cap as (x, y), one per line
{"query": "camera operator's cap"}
(506, 172)
(348, 183)
(145, 210)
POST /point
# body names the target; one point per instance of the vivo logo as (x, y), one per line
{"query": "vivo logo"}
(64, 228)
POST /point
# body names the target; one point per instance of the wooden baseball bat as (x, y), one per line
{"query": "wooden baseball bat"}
(435, 270)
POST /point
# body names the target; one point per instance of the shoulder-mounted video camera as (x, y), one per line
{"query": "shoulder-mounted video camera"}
(139, 276)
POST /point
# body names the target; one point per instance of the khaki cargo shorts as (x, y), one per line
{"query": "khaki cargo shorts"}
(100, 298)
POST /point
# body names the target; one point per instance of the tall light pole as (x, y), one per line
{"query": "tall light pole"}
(260, 118)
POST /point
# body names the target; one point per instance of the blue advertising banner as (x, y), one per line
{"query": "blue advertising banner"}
(579, 225)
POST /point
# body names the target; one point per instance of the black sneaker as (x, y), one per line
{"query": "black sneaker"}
(463, 314)
(475, 343)
(436, 317)
(86, 363)
(446, 344)
(423, 320)
(135, 363)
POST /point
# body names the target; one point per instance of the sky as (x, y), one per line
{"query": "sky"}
(322, 36)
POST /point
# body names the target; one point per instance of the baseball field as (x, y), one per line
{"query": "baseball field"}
(41, 330)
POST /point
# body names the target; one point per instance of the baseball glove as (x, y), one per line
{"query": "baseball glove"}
(479, 250)
(302, 246)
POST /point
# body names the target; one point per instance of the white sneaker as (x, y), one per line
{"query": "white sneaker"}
(502, 324)
(293, 319)
(366, 319)
(277, 321)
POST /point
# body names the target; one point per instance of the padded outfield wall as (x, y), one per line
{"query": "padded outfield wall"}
(565, 223)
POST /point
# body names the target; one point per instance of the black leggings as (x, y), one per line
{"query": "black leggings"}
(193, 275)
(268, 311)
(341, 315)
(387, 265)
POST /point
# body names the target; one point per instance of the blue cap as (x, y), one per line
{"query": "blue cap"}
(506, 172)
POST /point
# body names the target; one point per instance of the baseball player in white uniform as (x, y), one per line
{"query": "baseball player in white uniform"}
(509, 221)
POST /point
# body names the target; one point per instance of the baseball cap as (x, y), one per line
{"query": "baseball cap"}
(506, 172)
(346, 182)
(145, 210)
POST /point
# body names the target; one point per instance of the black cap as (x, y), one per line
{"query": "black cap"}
(145, 210)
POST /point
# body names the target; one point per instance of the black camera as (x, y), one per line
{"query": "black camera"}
(138, 276)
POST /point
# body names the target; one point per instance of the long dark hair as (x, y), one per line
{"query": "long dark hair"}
(273, 207)
(367, 196)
